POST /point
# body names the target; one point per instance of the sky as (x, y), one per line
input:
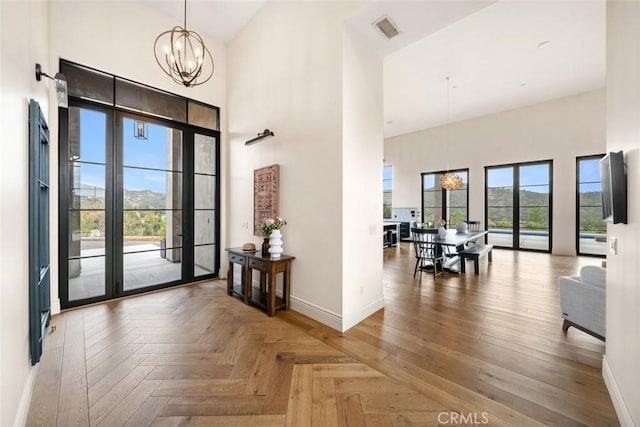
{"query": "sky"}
(150, 153)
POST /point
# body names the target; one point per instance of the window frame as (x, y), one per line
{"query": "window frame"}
(443, 193)
(114, 278)
(578, 205)
(516, 203)
(390, 192)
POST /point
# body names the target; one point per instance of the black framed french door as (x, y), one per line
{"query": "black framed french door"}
(518, 205)
(138, 203)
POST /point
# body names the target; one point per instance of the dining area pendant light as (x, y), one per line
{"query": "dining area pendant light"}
(183, 56)
(449, 180)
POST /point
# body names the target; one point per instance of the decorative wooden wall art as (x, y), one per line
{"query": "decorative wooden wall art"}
(265, 195)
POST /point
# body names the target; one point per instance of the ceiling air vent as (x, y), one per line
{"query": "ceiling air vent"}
(387, 27)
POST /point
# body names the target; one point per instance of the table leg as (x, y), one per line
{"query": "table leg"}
(271, 293)
(230, 279)
(286, 286)
(247, 278)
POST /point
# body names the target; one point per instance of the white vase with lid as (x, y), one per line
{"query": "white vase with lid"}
(275, 244)
(462, 227)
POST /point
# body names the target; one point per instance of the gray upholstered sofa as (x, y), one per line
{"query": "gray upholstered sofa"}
(582, 300)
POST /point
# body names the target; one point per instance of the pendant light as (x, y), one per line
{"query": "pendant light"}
(448, 180)
(183, 56)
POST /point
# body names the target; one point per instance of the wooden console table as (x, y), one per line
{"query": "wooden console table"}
(265, 295)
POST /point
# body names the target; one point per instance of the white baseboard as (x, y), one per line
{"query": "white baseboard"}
(55, 306)
(622, 409)
(362, 314)
(322, 315)
(25, 398)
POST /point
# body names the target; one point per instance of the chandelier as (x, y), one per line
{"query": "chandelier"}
(183, 56)
(448, 180)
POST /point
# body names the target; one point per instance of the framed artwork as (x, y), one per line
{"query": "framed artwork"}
(265, 195)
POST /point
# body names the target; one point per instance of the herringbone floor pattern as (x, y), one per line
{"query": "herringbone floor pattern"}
(194, 356)
(463, 350)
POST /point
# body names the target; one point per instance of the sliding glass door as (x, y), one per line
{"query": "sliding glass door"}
(518, 205)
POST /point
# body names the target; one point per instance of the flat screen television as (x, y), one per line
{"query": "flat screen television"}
(613, 178)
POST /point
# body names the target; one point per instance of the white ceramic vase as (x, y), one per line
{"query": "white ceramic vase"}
(275, 244)
(442, 233)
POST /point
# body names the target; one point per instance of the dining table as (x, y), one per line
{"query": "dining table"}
(457, 241)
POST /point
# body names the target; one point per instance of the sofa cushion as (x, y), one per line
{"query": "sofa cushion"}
(593, 275)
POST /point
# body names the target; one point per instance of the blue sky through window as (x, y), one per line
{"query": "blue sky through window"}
(532, 178)
(590, 170)
(386, 178)
(150, 153)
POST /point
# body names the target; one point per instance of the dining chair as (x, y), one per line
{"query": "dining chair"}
(426, 251)
(471, 227)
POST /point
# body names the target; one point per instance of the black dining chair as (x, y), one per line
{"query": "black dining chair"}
(426, 251)
(471, 227)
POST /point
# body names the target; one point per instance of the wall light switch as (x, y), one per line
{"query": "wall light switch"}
(613, 245)
(372, 230)
(244, 225)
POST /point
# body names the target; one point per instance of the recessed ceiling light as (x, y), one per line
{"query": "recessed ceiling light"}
(545, 43)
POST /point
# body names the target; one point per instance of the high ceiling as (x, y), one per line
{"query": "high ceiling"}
(493, 51)
(495, 55)
(219, 19)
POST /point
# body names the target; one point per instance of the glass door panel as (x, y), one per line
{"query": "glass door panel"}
(152, 195)
(591, 226)
(457, 202)
(86, 216)
(534, 206)
(500, 207)
(204, 199)
(431, 198)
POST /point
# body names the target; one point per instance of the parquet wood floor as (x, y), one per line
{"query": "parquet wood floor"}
(485, 348)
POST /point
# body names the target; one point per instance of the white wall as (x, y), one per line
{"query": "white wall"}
(362, 181)
(561, 130)
(622, 359)
(285, 74)
(24, 30)
(118, 37)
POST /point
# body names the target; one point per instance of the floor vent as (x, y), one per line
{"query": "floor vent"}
(387, 27)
